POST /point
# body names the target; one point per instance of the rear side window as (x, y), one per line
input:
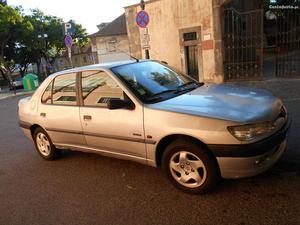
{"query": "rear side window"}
(46, 98)
(64, 90)
(98, 87)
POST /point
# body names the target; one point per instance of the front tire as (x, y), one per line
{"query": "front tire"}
(44, 145)
(190, 167)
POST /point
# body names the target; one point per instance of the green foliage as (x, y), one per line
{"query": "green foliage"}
(12, 26)
(9, 20)
(23, 40)
(80, 37)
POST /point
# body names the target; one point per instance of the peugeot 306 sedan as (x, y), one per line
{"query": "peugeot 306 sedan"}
(148, 112)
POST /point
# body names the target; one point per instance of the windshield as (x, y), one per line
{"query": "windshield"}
(153, 82)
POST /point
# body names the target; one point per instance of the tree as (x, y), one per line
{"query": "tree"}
(53, 45)
(23, 40)
(10, 21)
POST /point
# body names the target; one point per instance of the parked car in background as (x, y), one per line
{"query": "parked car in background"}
(148, 112)
(16, 83)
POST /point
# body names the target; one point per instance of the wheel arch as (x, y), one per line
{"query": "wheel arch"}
(33, 128)
(164, 142)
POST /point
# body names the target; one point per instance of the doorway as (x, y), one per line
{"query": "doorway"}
(191, 55)
(191, 52)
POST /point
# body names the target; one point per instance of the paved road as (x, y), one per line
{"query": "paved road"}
(82, 188)
(5, 93)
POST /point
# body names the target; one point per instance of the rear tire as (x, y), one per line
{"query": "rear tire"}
(44, 145)
(190, 167)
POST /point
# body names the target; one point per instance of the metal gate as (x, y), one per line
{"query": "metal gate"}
(288, 43)
(243, 44)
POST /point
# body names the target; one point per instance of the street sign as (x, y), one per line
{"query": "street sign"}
(145, 38)
(142, 19)
(68, 41)
(68, 29)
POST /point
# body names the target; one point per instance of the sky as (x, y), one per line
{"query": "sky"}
(89, 13)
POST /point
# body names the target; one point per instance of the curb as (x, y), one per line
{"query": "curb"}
(16, 95)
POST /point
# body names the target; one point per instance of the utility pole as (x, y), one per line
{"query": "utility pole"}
(142, 4)
(147, 54)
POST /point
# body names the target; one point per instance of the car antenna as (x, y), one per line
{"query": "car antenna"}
(136, 59)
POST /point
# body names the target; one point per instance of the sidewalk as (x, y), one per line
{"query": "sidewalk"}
(6, 93)
(286, 89)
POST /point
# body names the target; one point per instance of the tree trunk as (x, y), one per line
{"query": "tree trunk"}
(23, 70)
(38, 64)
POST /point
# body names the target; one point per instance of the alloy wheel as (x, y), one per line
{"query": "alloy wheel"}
(187, 169)
(43, 144)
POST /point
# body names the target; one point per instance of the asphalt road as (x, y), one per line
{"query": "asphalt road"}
(82, 188)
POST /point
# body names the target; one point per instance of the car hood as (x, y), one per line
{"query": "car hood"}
(226, 102)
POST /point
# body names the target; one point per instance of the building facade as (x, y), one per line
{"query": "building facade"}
(219, 40)
(111, 41)
(182, 33)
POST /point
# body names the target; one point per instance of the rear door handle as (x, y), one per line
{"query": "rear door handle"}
(43, 114)
(86, 117)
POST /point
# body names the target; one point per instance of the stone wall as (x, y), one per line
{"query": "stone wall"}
(167, 19)
(111, 48)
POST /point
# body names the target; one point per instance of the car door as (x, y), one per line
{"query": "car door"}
(117, 131)
(59, 111)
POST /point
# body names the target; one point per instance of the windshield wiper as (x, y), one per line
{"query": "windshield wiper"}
(164, 92)
(190, 83)
(185, 87)
(177, 90)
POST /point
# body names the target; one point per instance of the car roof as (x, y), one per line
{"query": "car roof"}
(97, 67)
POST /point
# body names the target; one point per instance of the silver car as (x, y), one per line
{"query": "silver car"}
(150, 113)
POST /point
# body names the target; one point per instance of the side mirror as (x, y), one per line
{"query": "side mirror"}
(115, 103)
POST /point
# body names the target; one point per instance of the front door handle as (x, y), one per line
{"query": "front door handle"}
(86, 117)
(43, 114)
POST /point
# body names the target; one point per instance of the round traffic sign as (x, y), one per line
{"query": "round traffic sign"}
(142, 19)
(68, 41)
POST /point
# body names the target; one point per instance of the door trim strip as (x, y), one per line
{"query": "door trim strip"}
(139, 140)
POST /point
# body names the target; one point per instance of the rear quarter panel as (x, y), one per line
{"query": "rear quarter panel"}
(28, 107)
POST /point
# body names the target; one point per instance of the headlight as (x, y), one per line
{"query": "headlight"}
(251, 131)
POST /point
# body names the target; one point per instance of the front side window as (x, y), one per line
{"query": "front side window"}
(153, 82)
(64, 90)
(98, 87)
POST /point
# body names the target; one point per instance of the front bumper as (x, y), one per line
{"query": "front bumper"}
(237, 167)
(237, 161)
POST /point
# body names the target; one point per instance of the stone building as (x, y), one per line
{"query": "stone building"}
(218, 40)
(111, 41)
(182, 33)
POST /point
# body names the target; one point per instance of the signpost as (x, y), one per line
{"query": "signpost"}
(142, 19)
(145, 39)
(69, 43)
(68, 29)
